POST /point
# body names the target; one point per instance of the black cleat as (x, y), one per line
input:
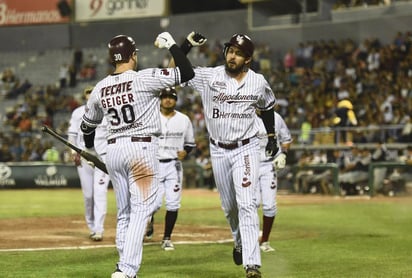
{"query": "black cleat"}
(237, 255)
(150, 229)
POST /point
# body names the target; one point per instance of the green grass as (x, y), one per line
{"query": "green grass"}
(365, 238)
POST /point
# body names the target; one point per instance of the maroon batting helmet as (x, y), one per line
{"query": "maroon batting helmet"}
(168, 92)
(121, 48)
(243, 42)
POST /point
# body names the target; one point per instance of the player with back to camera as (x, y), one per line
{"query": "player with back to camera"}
(129, 100)
(268, 182)
(94, 182)
(175, 142)
(231, 94)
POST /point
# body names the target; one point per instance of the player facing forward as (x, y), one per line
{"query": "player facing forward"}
(130, 103)
(93, 181)
(231, 94)
(175, 142)
(268, 182)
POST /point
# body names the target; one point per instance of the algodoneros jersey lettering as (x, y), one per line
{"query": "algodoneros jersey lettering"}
(229, 106)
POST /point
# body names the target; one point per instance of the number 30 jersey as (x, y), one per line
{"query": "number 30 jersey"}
(130, 101)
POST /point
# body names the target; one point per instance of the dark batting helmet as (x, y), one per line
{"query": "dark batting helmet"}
(168, 92)
(121, 48)
(243, 42)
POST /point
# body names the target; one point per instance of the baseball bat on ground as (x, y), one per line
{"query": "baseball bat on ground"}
(86, 155)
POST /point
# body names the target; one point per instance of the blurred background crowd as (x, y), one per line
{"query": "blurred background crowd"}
(330, 92)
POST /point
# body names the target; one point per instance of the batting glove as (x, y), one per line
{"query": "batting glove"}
(196, 39)
(164, 40)
(272, 146)
(280, 161)
(193, 39)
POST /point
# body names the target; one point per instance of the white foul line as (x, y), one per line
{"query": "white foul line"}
(108, 246)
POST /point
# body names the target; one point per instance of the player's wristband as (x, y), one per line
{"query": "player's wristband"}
(186, 46)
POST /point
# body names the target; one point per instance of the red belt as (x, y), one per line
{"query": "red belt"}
(230, 146)
(132, 139)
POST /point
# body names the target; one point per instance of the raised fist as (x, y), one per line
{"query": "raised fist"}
(196, 39)
(164, 40)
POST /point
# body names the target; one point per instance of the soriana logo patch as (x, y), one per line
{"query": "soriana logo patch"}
(29, 12)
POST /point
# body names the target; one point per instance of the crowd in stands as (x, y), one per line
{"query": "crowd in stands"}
(323, 87)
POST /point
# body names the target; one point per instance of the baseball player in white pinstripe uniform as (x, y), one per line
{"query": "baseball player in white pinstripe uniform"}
(129, 100)
(175, 142)
(94, 182)
(268, 178)
(231, 94)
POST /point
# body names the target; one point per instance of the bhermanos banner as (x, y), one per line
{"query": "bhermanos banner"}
(29, 12)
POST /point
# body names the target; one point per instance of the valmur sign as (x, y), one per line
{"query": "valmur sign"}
(29, 12)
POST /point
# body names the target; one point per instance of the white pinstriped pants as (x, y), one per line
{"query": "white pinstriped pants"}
(236, 174)
(133, 169)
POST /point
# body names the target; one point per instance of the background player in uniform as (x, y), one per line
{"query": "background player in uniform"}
(94, 182)
(268, 177)
(130, 103)
(231, 94)
(175, 142)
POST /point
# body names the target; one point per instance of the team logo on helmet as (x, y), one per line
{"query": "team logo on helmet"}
(241, 38)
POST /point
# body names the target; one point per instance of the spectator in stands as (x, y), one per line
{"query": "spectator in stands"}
(406, 133)
(72, 76)
(78, 59)
(380, 154)
(314, 181)
(24, 125)
(355, 171)
(16, 148)
(63, 75)
(301, 176)
(5, 153)
(289, 60)
(400, 176)
(51, 153)
(203, 160)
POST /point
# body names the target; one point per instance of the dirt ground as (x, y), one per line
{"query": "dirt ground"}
(62, 232)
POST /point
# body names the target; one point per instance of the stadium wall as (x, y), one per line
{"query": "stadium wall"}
(216, 25)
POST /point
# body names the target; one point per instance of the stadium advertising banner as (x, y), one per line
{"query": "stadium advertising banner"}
(38, 175)
(94, 10)
(29, 12)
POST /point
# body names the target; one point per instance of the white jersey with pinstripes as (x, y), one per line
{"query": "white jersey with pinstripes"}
(177, 132)
(267, 176)
(127, 101)
(76, 136)
(230, 106)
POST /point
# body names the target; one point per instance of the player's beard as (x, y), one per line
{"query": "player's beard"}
(235, 69)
